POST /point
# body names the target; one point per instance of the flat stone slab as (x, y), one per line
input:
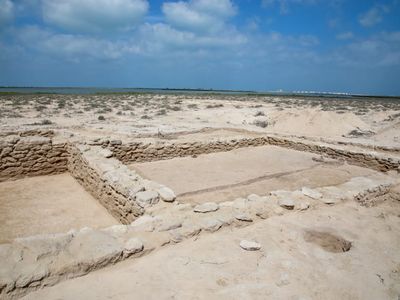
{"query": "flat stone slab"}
(147, 198)
(286, 203)
(250, 245)
(314, 194)
(206, 207)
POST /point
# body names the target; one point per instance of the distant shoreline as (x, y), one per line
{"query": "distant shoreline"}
(11, 90)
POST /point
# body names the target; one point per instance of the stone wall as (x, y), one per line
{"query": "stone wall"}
(31, 263)
(108, 180)
(31, 156)
(31, 132)
(146, 151)
(120, 190)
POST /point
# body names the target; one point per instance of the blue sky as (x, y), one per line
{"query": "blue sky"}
(264, 45)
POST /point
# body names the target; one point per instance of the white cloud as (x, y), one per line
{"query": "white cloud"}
(382, 49)
(158, 38)
(373, 16)
(94, 15)
(284, 5)
(68, 46)
(345, 35)
(6, 11)
(198, 15)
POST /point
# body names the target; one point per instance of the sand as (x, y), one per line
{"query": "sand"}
(301, 253)
(47, 204)
(225, 176)
(127, 115)
(286, 267)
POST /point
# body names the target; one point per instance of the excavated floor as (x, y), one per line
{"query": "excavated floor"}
(225, 176)
(47, 204)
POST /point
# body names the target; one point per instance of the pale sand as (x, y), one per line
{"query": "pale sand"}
(47, 204)
(127, 115)
(286, 267)
(213, 266)
(225, 176)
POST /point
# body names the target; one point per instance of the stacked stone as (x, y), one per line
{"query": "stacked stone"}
(31, 156)
(120, 190)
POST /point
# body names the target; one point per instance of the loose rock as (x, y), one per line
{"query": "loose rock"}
(211, 225)
(250, 245)
(147, 198)
(311, 193)
(244, 218)
(166, 194)
(132, 246)
(286, 203)
(206, 207)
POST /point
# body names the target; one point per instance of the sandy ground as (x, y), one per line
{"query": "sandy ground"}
(296, 262)
(373, 121)
(47, 204)
(227, 175)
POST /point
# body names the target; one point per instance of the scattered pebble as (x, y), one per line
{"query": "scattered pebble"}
(311, 193)
(244, 218)
(133, 245)
(250, 245)
(304, 205)
(206, 207)
(286, 203)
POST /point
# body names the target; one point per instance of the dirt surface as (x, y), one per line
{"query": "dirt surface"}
(289, 265)
(121, 116)
(227, 175)
(47, 204)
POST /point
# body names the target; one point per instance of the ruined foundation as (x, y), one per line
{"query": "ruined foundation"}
(144, 208)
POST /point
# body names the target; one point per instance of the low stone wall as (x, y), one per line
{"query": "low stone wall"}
(31, 156)
(146, 151)
(364, 158)
(31, 263)
(108, 180)
(120, 190)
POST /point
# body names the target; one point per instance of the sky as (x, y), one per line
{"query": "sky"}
(348, 46)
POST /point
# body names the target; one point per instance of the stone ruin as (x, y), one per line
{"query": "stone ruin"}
(149, 214)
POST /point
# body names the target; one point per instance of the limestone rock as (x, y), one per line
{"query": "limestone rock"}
(166, 194)
(314, 194)
(286, 203)
(106, 153)
(132, 246)
(115, 142)
(250, 245)
(211, 225)
(91, 247)
(244, 218)
(144, 223)
(170, 225)
(206, 207)
(240, 203)
(147, 198)
(304, 205)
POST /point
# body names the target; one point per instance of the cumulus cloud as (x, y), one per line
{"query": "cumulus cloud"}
(198, 15)
(345, 35)
(381, 49)
(6, 11)
(373, 16)
(159, 38)
(285, 4)
(68, 46)
(94, 15)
